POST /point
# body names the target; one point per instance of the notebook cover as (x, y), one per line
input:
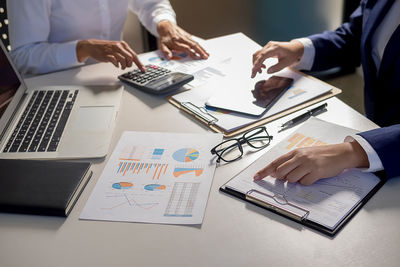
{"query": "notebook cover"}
(41, 187)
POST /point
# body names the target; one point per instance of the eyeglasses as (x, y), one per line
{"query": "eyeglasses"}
(231, 150)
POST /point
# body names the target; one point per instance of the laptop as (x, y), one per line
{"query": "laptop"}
(56, 122)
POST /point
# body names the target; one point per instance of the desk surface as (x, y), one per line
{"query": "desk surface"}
(233, 233)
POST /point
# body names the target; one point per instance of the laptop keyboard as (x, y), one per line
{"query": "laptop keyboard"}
(43, 121)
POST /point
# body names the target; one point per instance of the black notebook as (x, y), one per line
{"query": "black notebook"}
(41, 187)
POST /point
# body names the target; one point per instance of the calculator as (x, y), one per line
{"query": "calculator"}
(156, 80)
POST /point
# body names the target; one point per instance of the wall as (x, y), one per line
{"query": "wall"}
(262, 20)
(132, 33)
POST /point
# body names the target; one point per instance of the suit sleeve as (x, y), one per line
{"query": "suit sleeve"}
(340, 47)
(386, 142)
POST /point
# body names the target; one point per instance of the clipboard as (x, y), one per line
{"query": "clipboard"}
(325, 206)
(201, 114)
(301, 216)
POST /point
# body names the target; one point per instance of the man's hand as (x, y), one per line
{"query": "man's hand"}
(173, 38)
(117, 52)
(308, 165)
(287, 53)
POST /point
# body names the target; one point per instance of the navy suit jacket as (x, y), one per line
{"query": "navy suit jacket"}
(350, 45)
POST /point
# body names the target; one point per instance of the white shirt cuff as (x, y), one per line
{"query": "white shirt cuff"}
(375, 163)
(307, 59)
(66, 55)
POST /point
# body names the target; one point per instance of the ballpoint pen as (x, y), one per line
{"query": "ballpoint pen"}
(305, 116)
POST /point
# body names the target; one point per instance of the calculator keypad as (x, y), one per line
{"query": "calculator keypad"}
(152, 73)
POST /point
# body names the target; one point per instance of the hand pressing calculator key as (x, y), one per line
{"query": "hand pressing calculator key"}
(156, 80)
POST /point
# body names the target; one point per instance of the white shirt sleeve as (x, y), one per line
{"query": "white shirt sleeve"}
(375, 163)
(29, 28)
(151, 12)
(307, 59)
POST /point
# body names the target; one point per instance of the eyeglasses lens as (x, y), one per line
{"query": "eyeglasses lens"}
(229, 150)
(258, 138)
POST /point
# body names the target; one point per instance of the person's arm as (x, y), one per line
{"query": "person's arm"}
(340, 47)
(323, 51)
(308, 165)
(151, 12)
(159, 18)
(386, 142)
(29, 28)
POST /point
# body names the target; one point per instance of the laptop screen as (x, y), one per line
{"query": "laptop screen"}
(9, 82)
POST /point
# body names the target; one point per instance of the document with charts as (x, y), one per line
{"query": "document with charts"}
(328, 201)
(155, 178)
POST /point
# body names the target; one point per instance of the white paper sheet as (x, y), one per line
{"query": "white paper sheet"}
(328, 200)
(155, 178)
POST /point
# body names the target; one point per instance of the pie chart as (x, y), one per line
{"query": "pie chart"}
(122, 185)
(155, 187)
(186, 155)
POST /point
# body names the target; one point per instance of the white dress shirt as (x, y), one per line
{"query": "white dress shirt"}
(379, 40)
(44, 33)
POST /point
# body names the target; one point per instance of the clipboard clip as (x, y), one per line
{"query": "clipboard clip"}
(278, 203)
(200, 112)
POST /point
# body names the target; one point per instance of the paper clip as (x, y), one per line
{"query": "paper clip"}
(200, 112)
(277, 203)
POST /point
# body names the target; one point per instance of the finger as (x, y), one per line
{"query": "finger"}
(121, 60)
(256, 68)
(284, 169)
(184, 48)
(166, 51)
(297, 173)
(112, 59)
(255, 55)
(309, 179)
(134, 57)
(271, 168)
(197, 48)
(127, 49)
(258, 61)
(267, 170)
(279, 66)
(265, 53)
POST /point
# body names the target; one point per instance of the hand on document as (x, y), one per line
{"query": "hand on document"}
(309, 164)
(287, 53)
(174, 38)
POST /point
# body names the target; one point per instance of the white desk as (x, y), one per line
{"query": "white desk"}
(233, 233)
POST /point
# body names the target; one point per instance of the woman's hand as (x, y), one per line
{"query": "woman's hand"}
(117, 52)
(308, 165)
(287, 53)
(173, 38)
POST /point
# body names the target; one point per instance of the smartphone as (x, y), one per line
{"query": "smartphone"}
(267, 92)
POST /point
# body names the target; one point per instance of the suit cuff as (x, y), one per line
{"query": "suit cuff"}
(307, 60)
(375, 163)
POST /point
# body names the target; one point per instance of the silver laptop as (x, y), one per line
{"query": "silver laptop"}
(57, 122)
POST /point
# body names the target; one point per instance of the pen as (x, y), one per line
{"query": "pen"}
(305, 116)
